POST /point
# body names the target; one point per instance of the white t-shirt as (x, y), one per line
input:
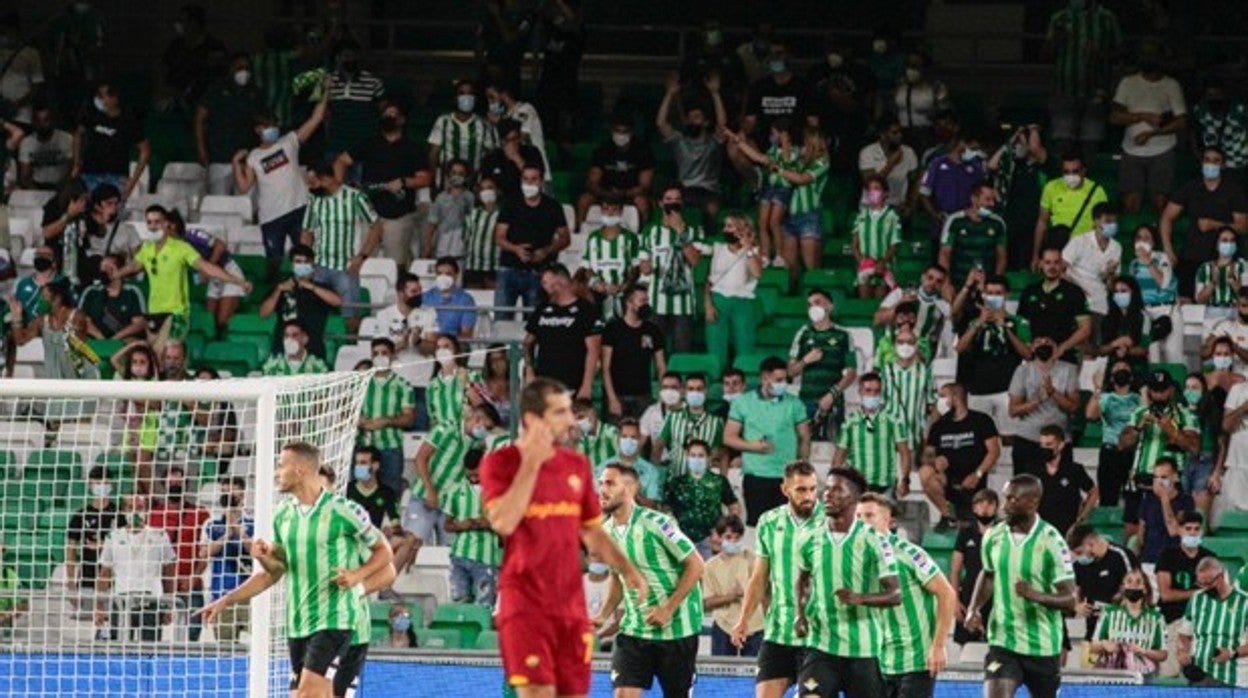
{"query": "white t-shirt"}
(730, 273)
(23, 74)
(278, 178)
(49, 161)
(1088, 266)
(1238, 332)
(531, 126)
(392, 324)
(1138, 95)
(1237, 446)
(137, 558)
(872, 157)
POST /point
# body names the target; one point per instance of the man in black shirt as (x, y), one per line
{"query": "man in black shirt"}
(391, 168)
(504, 163)
(563, 336)
(632, 354)
(1099, 569)
(1176, 569)
(102, 145)
(1210, 203)
(1069, 493)
(117, 309)
(381, 503)
(991, 344)
(966, 448)
(529, 234)
(301, 299)
(622, 169)
(779, 95)
(87, 530)
(1056, 307)
(967, 560)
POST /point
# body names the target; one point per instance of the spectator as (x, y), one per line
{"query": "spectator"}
(65, 223)
(1230, 484)
(354, 96)
(945, 133)
(504, 104)
(598, 441)
(1056, 308)
(1127, 329)
(563, 25)
(1016, 174)
(712, 57)
(840, 88)
(77, 35)
(1162, 426)
(1149, 103)
(908, 389)
(775, 92)
(530, 233)
(1093, 260)
(1236, 329)
(1218, 281)
(63, 332)
(413, 329)
(116, 308)
(439, 465)
(801, 246)
(684, 425)
(388, 410)
(697, 145)
(1083, 39)
(102, 144)
(1069, 493)
(222, 298)
(918, 99)
(136, 572)
(381, 501)
(12, 604)
(869, 439)
(1130, 633)
(732, 386)
(563, 337)
(700, 496)
(1113, 409)
(948, 181)
(876, 234)
(1211, 205)
(44, 155)
(1206, 404)
(481, 260)
(295, 359)
(275, 68)
(494, 386)
(1176, 579)
(990, 346)
(631, 345)
(183, 521)
(822, 356)
(281, 192)
(622, 169)
(22, 82)
(391, 168)
(1102, 567)
(771, 428)
(448, 388)
(726, 576)
(967, 562)
(400, 635)
(454, 306)
(655, 415)
(1161, 507)
(223, 546)
(974, 238)
(651, 477)
(610, 257)
(476, 551)
(300, 298)
(775, 194)
(1070, 202)
(670, 249)
(223, 122)
(192, 58)
(1211, 639)
(331, 227)
(926, 307)
(505, 164)
(729, 292)
(1222, 123)
(1043, 392)
(1222, 360)
(88, 529)
(964, 447)
(444, 234)
(29, 288)
(892, 161)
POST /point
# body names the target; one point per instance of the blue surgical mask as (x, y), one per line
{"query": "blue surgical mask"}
(479, 432)
(994, 302)
(1223, 363)
(1209, 170)
(732, 547)
(697, 464)
(270, 134)
(302, 270)
(1228, 248)
(99, 103)
(1109, 229)
(871, 403)
(984, 212)
(778, 67)
(401, 624)
(1191, 541)
(1084, 560)
(971, 155)
(695, 398)
(599, 568)
(362, 472)
(585, 425)
(1122, 299)
(628, 446)
(779, 389)
(465, 103)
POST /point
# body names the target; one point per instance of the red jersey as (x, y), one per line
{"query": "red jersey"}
(183, 527)
(542, 557)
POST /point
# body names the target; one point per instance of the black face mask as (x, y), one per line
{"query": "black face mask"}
(694, 130)
(174, 493)
(985, 519)
(229, 501)
(415, 301)
(42, 264)
(1133, 594)
(1051, 454)
(645, 312)
(43, 133)
(349, 66)
(389, 123)
(1243, 318)
(731, 238)
(1044, 352)
(1121, 377)
(672, 208)
(318, 191)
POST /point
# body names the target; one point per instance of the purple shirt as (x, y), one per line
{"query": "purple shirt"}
(203, 241)
(949, 183)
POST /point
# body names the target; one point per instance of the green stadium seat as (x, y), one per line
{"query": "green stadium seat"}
(794, 307)
(774, 277)
(1231, 550)
(56, 519)
(468, 620)
(1101, 516)
(487, 640)
(44, 490)
(827, 279)
(438, 639)
(1233, 522)
(1020, 280)
(938, 541)
(238, 359)
(695, 363)
(749, 363)
(942, 558)
(768, 299)
(14, 520)
(34, 574)
(8, 464)
(859, 309)
(252, 324)
(779, 337)
(51, 459)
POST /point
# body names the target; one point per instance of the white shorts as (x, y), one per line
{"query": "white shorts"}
(996, 406)
(220, 289)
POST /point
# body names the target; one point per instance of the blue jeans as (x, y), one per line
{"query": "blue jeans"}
(345, 285)
(515, 284)
(390, 473)
(721, 644)
(473, 582)
(276, 232)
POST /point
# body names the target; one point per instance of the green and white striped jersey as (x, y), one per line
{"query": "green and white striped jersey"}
(909, 627)
(463, 501)
(808, 198)
(332, 534)
(679, 426)
(870, 441)
(465, 140)
(877, 231)
(856, 560)
(386, 396)
(1216, 624)
(278, 365)
(611, 259)
(780, 537)
(601, 446)
(482, 253)
(1146, 630)
(1153, 443)
(446, 466)
(909, 393)
(793, 162)
(336, 222)
(671, 282)
(1210, 274)
(446, 397)
(1040, 558)
(655, 545)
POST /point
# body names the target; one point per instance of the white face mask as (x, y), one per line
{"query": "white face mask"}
(444, 356)
(530, 190)
(816, 313)
(942, 405)
(1072, 180)
(488, 196)
(381, 362)
(242, 77)
(906, 351)
(621, 140)
(1144, 247)
(291, 346)
(444, 282)
(669, 396)
(148, 235)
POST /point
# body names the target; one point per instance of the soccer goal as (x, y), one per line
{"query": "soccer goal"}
(123, 508)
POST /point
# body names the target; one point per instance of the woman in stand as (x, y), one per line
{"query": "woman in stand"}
(736, 266)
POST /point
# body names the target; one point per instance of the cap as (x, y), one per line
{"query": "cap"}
(1160, 380)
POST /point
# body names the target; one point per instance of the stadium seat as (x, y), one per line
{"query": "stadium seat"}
(8, 464)
(238, 359)
(53, 465)
(464, 618)
(438, 639)
(226, 210)
(487, 640)
(695, 363)
(252, 324)
(1233, 522)
(774, 277)
(749, 363)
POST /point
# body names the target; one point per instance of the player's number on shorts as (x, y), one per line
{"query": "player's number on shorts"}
(589, 646)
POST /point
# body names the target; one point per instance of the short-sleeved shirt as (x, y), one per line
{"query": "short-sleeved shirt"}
(466, 140)
(1140, 95)
(464, 502)
(1182, 570)
(446, 464)
(381, 503)
(112, 314)
(1152, 291)
(1156, 536)
(1147, 630)
(529, 225)
(449, 215)
(452, 322)
(1101, 579)
(1218, 276)
(561, 331)
(386, 396)
(107, 142)
(1198, 202)
(88, 528)
(1041, 559)
(1152, 444)
(910, 626)
(698, 161)
(877, 231)
(446, 396)
(769, 100)
(1227, 131)
(949, 183)
(972, 241)
(872, 157)
(600, 446)
(808, 198)
(541, 574)
(671, 281)
(771, 419)
(1054, 312)
(781, 535)
(310, 310)
(1116, 412)
(232, 114)
(1216, 624)
(622, 167)
(506, 173)
(871, 441)
(232, 565)
(49, 160)
(909, 393)
(858, 560)
(1078, 35)
(331, 534)
(632, 355)
(280, 187)
(353, 114)
(1064, 203)
(698, 502)
(166, 265)
(1087, 265)
(680, 426)
(335, 222)
(383, 161)
(611, 258)
(482, 252)
(1063, 492)
(183, 525)
(723, 574)
(988, 363)
(969, 542)
(281, 365)
(838, 357)
(1028, 384)
(657, 547)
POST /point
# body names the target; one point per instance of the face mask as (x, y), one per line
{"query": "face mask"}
(695, 398)
(362, 473)
(401, 624)
(971, 155)
(610, 221)
(1209, 170)
(291, 346)
(694, 130)
(99, 104)
(1164, 482)
(101, 490)
(1192, 397)
(488, 196)
(444, 356)
(1044, 352)
(381, 362)
(43, 133)
(645, 312)
(729, 397)
(465, 103)
(697, 464)
(228, 501)
(732, 547)
(871, 403)
(1084, 560)
(779, 389)
(628, 446)
(778, 67)
(1227, 249)
(444, 282)
(984, 212)
(1191, 541)
(621, 140)
(585, 426)
(913, 75)
(599, 568)
(1109, 229)
(1223, 363)
(301, 270)
(816, 313)
(906, 351)
(731, 238)
(242, 77)
(994, 302)
(148, 235)
(1121, 377)
(270, 134)
(1144, 248)
(943, 406)
(875, 197)
(42, 264)
(835, 60)
(1072, 180)
(456, 180)
(1133, 594)
(415, 300)
(389, 123)
(879, 46)
(530, 190)
(985, 519)
(1122, 299)
(1021, 150)
(669, 396)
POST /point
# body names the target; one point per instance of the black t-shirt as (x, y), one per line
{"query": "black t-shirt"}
(311, 312)
(1198, 202)
(107, 141)
(621, 167)
(632, 355)
(380, 503)
(1182, 571)
(505, 173)
(1054, 314)
(963, 443)
(987, 366)
(968, 543)
(769, 101)
(1062, 493)
(1100, 579)
(383, 161)
(560, 331)
(88, 529)
(530, 225)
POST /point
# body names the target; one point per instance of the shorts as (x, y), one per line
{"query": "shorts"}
(826, 676)
(1077, 118)
(1041, 675)
(804, 226)
(316, 652)
(1149, 175)
(775, 195)
(542, 651)
(777, 661)
(220, 289)
(916, 684)
(635, 663)
(1196, 472)
(350, 667)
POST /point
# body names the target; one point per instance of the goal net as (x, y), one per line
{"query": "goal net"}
(123, 507)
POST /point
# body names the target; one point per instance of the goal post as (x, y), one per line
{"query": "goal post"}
(110, 626)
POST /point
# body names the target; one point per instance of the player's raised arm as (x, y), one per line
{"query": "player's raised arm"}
(536, 445)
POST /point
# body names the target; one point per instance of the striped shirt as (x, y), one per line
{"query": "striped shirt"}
(1217, 624)
(1079, 34)
(1219, 276)
(446, 397)
(1146, 630)
(856, 560)
(780, 536)
(446, 465)
(909, 393)
(682, 425)
(600, 447)
(279, 365)
(611, 259)
(654, 544)
(671, 284)
(1153, 445)
(793, 162)
(333, 534)
(1042, 560)
(273, 72)
(463, 140)
(808, 198)
(387, 396)
(335, 222)
(1228, 131)
(352, 110)
(463, 502)
(877, 231)
(910, 626)
(871, 442)
(482, 254)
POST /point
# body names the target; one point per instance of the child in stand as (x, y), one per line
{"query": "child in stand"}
(444, 232)
(481, 262)
(876, 234)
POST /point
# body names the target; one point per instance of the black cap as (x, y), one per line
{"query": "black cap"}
(1160, 380)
